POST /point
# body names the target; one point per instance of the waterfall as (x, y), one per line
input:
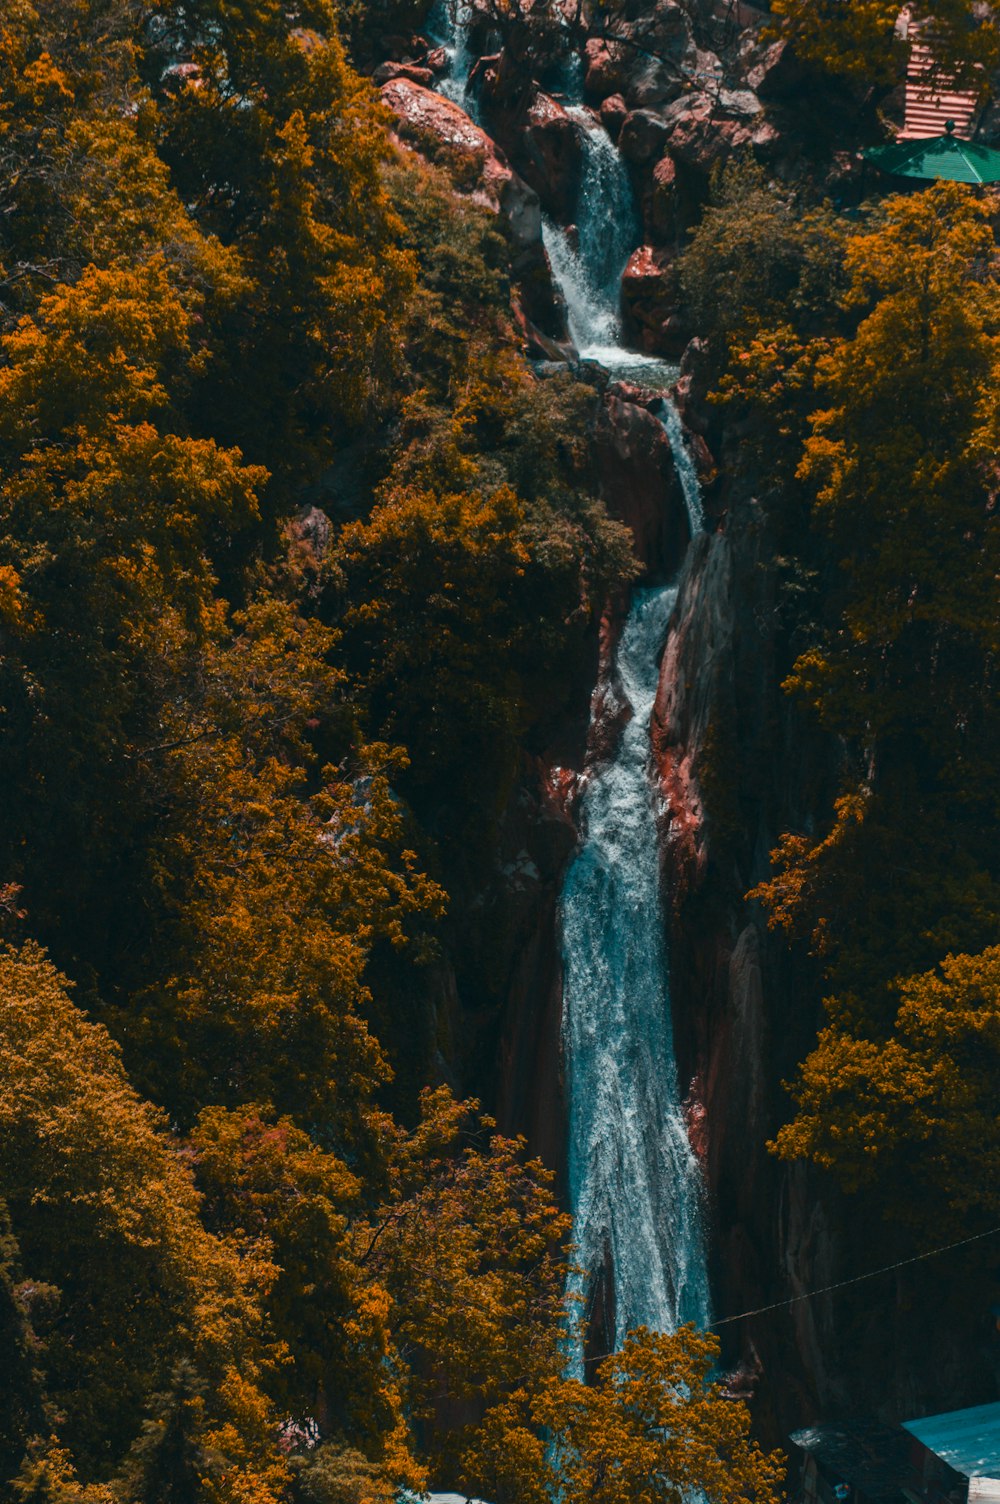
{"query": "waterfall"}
(590, 270)
(449, 25)
(635, 1185)
(687, 474)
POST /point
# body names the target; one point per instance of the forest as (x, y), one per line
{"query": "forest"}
(316, 534)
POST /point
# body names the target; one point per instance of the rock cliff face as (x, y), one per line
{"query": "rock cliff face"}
(737, 766)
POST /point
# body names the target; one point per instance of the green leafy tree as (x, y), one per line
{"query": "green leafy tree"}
(856, 37)
(104, 1206)
(652, 1427)
(169, 1463)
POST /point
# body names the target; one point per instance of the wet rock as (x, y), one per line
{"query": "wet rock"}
(551, 351)
(613, 112)
(651, 302)
(549, 154)
(437, 61)
(643, 136)
(693, 386)
(387, 71)
(639, 485)
(607, 68)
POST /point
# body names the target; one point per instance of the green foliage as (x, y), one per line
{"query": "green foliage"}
(856, 38)
(653, 1427)
(916, 1109)
(758, 259)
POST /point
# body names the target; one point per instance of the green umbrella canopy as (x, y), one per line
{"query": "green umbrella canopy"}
(938, 157)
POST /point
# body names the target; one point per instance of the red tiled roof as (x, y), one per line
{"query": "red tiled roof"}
(931, 102)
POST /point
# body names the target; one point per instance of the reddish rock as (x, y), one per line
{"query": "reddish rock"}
(639, 484)
(613, 111)
(387, 71)
(607, 68)
(643, 136)
(664, 215)
(693, 386)
(425, 116)
(651, 302)
(705, 129)
(438, 60)
(549, 154)
(441, 130)
(537, 344)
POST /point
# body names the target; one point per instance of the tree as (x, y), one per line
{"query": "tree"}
(104, 1208)
(275, 875)
(468, 1246)
(652, 1427)
(856, 37)
(169, 1462)
(758, 260)
(913, 1109)
(899, 465)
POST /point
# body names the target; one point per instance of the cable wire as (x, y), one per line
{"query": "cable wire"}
(917, 1258)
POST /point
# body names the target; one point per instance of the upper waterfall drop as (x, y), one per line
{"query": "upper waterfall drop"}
(635, 1184)
(607, 226)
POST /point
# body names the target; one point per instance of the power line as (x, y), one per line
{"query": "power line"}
(917, 1258)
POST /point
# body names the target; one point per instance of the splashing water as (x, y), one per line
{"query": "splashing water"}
(635, 1185)
(607, 228)
(687, 474)
(449, 25)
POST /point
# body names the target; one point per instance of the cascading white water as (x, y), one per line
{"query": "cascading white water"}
(635, 1185)
(589, 267)
(449, 25)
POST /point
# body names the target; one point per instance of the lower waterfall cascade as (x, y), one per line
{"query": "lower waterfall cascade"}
(635, 1185)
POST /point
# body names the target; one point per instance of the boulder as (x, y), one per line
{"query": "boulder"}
(437, 60)
(705, 128)
(440, 128)
(607, 68)
(663, 53)
(613, 111)
(643, 136)
(639, 483)
(663, 212)
(387, 71)
(442, 131)
(693, 387)
(651, 303)
(549, 155)
(773, 71)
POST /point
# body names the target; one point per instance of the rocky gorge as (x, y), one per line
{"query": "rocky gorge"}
(679, 87)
